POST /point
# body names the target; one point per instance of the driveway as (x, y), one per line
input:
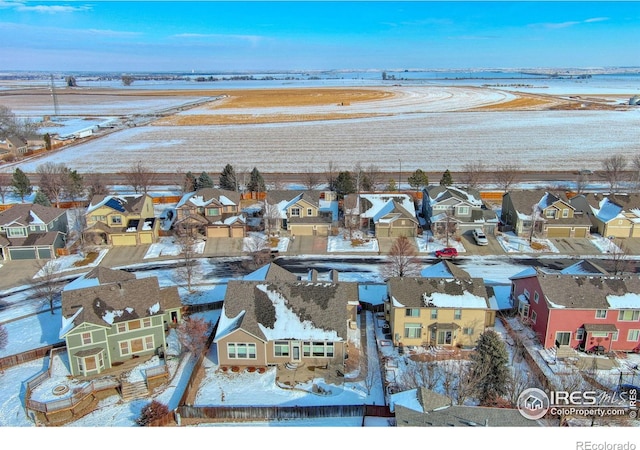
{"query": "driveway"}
(473, 249)
(575, 246)
(125, 255)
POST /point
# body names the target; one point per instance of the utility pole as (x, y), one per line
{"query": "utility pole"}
(55, 96)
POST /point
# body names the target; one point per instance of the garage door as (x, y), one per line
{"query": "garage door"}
(22, 253)
(44, 253)
(123, 240)
(146, 238)
(558, 232)
(237, 232)
(217, 232)
(580, 232)
(301, 230)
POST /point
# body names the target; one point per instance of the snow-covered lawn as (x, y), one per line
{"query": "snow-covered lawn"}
(69, 263)
(167, 246)
(257, 240)
(357, 242)
(513, 244)
(427, 243)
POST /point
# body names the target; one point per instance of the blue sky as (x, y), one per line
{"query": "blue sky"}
(216, 36)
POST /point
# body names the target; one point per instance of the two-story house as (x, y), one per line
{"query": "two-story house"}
(384, 214)
(110, 316)
(448, 207)
(32, 231)
(543, 214)
(121, 220)
(616, 215)
(581, 310)
(280, 321)
(301, 213)
(448, 309)
(211, 213)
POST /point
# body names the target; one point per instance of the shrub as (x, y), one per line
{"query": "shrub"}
(261, 370)
(251, 369)
(235, 369)
(151, 412)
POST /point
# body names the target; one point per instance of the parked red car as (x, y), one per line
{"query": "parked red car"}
(448, 252)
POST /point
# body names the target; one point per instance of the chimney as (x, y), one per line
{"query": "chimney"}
(333, 276)
(313, 275)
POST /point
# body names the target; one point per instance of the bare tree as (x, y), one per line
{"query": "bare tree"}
(472, 175)
(47, 285)
(613, 168)
(620, 258)
(95, 185)
(402, 260)
(581, 183)
(635, 164)
(311, 179)
(420, 374)
(518, 382)
(188, 257)
(258, 249)
(139, 177)
(445, 228)
(271, 217)
(53, 180)
(331, 175)
(4, 337)
(372, 178)
(351, 213)
(193, 333)
(5, 186)
(277, 183)
(506, 175)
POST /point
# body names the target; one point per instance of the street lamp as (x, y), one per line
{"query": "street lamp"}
(399, 173)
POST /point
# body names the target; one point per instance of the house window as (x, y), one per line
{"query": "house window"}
(124, 347)
(213, 211)
(523, 309)
(295, 212)
(97, 218)
(463, 210)
(309, 212)
(306, 349)
(526, 294)
(412, 330)
(434, 313)
(318, 349)
(601, 313)
(550, 213)
(534, 317)
(614, 336)
(633, 335)
(146, 322)
(116, 220)
(599, 334)
(412, 312)
(281, 348)
(241, 351)
(148, 342)
(536, 296)
(628, 315)
(133, 324)
(565, 213)
(580, 334)
(467, 331)
(86, 338)
(16, 232)
(121, 327)
(457, 314)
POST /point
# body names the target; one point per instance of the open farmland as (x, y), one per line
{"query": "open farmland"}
(429, 127)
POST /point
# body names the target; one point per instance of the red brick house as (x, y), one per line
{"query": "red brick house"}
(583, 311)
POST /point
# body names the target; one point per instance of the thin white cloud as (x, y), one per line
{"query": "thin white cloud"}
(596, 19)
(111, 33)
(253, 39)
(567, 24)
(46, 9)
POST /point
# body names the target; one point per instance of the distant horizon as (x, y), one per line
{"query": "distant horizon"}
(303, 36)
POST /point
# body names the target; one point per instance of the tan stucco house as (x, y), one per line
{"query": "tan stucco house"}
(211, 213)
(612, 215)
(121, 220)
(302, 213)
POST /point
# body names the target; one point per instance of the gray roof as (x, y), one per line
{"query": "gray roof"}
(444, 192)
(323, 304)
(34, 239)
(111, 303)
(311, 196)
(213, 193)
(21, 213)
(462, 416)
(523, 201)
(585, 291)
(130, 203)
(409, 290)
(626, 201)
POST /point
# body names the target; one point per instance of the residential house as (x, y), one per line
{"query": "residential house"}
(13, 147)
(580, 307)
(301, 213)
(121, 220)
(266, 323)
(460, 211)
(550, 215)
(611, 215)
(32, 231)
(423, 407)
(212, 213)
(110, 316)
(386, 214)
(450, 308)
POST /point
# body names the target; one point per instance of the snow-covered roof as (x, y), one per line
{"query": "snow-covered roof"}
(464, 300)
(607, 210)
(630, 300)
(383, 203)
(228, 324)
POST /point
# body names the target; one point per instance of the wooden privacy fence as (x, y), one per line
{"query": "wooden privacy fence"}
(261, 413)
(20, 358)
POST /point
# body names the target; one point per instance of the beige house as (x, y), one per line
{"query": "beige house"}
(110, 316)
(126, 220)
(302, 213)
(616, 215)
(212, 213)
(272, 322)
(550, 215)
(448, 310)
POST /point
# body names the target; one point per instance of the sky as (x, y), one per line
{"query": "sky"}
(216, 36)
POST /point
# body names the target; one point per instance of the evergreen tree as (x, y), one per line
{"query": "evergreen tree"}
(256, 182)
(74, 185)
(489, 367)
(47, 141)
(446, 179)
(21, 184)
(344, 184)
(204, 181)
(41, 199)
(189, 184)
(391, 186)
(418, 180)
(228, 178)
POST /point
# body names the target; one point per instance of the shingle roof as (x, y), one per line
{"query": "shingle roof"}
(21, 213)
(323, 304)
(409, 291)
(523, 201)
(116, 302)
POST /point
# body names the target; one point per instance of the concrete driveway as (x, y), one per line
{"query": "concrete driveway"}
(575, 246)
(473, 249)
(125, 255)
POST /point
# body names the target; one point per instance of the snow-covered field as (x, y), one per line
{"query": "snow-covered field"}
(427, 127)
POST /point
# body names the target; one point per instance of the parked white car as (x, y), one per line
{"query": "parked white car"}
(480, 237)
